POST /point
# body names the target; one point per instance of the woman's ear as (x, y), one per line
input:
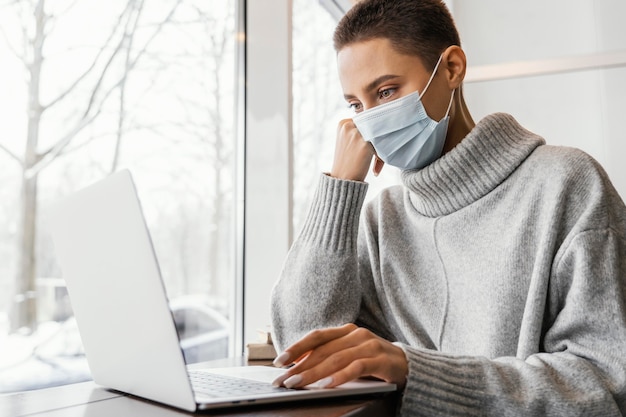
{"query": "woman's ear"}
(455, 65)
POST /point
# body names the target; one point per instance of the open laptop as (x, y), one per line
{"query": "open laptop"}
(121, 307)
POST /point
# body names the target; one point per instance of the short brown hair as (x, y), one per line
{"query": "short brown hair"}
(422, 28)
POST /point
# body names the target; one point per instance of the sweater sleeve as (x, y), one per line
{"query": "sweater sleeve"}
(319, 285)
(581, 370)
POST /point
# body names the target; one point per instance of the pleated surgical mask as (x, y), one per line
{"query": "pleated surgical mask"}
(401, 132)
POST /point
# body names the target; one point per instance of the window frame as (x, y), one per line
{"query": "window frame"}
(264, 160)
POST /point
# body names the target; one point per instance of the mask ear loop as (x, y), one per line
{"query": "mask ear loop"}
(449, 104)
(431, 79)
(431, 76)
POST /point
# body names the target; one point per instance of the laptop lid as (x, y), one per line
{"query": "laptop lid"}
(117, 295)
(121, 308)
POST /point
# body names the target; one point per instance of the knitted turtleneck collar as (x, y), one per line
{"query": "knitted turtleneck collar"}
(494, 148)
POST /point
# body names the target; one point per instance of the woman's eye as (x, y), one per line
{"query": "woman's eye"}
(385, 94)
(356, 107)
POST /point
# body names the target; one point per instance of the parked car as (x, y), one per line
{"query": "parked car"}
(203, 331)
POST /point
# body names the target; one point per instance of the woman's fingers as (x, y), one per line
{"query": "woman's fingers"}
(353, 155)
(342, 366)
(356, 369)
(300, 351)
(344, 358)
(338, 349)
(312, 340)
(323, 373)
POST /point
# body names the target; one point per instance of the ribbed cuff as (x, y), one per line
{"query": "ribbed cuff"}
(437, 384)
(333, 219)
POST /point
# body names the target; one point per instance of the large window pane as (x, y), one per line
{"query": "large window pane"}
(318, 105)
(90, 88)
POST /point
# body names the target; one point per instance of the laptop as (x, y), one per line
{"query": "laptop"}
(122, 311)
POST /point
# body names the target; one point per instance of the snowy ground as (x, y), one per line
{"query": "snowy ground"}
(53, 355)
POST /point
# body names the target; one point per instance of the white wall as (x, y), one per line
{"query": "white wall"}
(582, 108)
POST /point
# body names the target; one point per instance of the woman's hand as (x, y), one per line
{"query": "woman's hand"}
(333, 356)
(353, 155)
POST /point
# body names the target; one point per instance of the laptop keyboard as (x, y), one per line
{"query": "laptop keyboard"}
(221, 386)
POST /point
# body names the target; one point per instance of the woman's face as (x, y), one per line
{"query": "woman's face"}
(372, 73)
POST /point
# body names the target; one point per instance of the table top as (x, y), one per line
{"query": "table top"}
(87, 399)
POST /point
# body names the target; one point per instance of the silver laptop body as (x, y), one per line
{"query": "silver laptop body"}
(121, 307)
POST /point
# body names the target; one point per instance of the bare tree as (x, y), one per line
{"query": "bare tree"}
(317, 98)
(103, 79)
(217, 43)
(209, 45)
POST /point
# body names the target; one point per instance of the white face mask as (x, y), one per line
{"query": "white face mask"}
(401, 132)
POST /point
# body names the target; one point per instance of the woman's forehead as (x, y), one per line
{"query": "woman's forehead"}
(361, 62)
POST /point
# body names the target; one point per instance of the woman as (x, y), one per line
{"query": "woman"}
(491, 282)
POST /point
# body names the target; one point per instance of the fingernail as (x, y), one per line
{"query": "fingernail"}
(324, 382)
(281, 360)
(292, 381)
(279, 381)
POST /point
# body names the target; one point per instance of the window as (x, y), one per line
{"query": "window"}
(90, 88)
(151, 87)
(318, 104)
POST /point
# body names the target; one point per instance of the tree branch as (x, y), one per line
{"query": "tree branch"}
(167, 19)
(95, 61)
(12, 155)
(49, 155)
(130, 37)
(13, 50)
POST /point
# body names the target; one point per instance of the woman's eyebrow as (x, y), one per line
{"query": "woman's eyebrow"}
(374, 84)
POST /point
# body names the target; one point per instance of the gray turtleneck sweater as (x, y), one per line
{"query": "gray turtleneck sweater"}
(500, 268)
